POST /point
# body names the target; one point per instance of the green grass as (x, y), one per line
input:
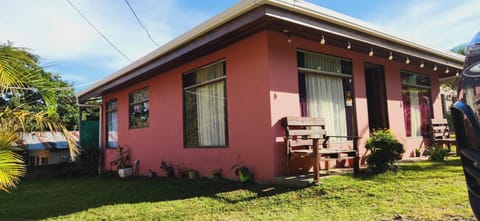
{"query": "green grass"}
(419, 191)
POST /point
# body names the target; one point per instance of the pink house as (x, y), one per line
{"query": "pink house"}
(217, 93)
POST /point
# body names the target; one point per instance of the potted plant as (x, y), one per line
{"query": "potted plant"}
(121, 162)
(217, 174)
(168, 168)
(417, 152)
(242, 172)
(192, 174)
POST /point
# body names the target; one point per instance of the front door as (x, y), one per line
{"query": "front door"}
(376, 97)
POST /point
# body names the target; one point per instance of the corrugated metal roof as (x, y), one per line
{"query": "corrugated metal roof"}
(46, 140)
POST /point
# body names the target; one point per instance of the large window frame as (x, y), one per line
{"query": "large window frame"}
(112, 123)
(417, 105)
(205, 107)
(317, 68)
(139, 107)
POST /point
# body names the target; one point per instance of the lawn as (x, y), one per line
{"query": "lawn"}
(419, 191)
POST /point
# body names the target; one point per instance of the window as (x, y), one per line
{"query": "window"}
(417, 108)
(205, 107)
(138, 108)
(112, 124)
(43, 160)
(325, 86)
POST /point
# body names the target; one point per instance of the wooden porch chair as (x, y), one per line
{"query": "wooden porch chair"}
(301, 132)
(441, 133)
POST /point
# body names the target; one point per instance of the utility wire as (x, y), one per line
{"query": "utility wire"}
(140, 23)
(99, 32)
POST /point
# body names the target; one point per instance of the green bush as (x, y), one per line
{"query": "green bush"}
(384, 149)
(437, 153)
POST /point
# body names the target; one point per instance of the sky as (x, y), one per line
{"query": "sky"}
(69, 46)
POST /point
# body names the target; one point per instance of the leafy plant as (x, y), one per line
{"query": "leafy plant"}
(418, 152)
(385, 151)
(242, 172)
(217, 174)
(122, 159)
(437, 153)
(168, 168)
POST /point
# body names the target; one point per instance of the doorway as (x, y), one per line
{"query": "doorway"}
(376, 97)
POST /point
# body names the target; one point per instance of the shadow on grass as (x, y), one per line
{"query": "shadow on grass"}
(44, 198)
(447, 165)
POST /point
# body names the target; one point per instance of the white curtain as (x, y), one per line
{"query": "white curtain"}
(211, 107)
(325, 99)
(415, 117)
(112, 129)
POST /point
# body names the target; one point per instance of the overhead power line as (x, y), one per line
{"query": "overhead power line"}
(140, 23)
(99, 32)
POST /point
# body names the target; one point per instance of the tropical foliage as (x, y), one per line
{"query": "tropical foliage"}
(385, 151)
(21, 76)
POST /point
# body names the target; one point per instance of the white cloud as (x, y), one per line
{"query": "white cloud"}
(441, 24)
(55, 31)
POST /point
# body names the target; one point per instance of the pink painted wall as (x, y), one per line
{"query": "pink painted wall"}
(284, 97)
(248, 113)
(262, 88)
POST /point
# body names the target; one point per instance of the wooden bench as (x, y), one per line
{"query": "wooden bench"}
(303, 138)
(441, 133)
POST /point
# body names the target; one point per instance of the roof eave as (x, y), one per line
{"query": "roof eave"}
(300, 7)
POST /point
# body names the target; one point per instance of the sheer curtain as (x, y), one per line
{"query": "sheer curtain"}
(415, 117)
(112, 129)
(211, 107)
(324, 93)
(325, 99)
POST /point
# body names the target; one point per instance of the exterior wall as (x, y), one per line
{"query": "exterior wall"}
(284, 97)
(248, 112)
(262, 88)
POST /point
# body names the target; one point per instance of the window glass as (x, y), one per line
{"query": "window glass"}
(205, 107)
(325, 86)
(417, 108)
(112, 124)
(139, 109)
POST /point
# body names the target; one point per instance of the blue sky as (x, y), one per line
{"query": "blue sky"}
(67, 45)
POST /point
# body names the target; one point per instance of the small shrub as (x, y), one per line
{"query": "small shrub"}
(122, 160)
(168, 168)
(437, 153)
(217, 174)
(242, 172)
(385, 150)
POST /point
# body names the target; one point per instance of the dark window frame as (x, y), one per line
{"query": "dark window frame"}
(426, 130)
(187, 84)
(108, 110)
(133, 103)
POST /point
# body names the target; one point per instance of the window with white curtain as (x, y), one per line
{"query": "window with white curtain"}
(205, 116)
(325, 87)
(417, 108)
(112, 124)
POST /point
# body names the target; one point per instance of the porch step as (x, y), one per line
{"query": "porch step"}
(298, 181)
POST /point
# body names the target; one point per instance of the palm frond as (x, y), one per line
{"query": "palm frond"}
(12, 166)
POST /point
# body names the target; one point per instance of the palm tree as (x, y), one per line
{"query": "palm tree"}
(19, 72)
